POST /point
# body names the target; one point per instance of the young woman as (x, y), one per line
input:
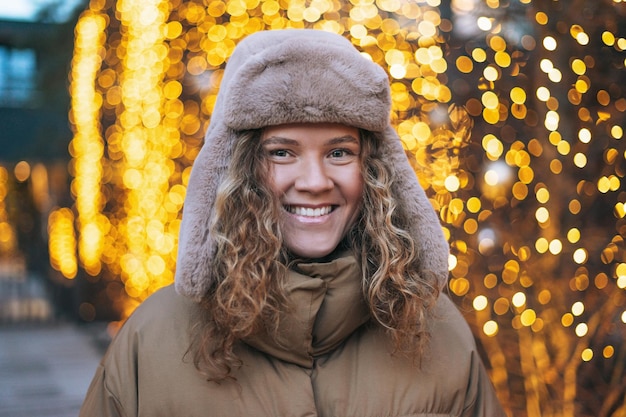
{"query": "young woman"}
(310, 261)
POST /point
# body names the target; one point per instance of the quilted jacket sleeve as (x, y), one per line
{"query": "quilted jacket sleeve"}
(113, 389)
(481, 400)
(100, 401)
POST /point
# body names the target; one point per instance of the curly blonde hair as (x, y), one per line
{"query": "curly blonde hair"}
(250, 262)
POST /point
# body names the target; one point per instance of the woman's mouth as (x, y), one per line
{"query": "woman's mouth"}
(308, 211)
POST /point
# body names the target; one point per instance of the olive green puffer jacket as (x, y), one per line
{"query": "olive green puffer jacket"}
(338, 363)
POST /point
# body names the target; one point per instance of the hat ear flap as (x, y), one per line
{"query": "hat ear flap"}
(430, 244)
(196, 248)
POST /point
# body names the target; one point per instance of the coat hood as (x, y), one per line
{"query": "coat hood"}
(298, 76)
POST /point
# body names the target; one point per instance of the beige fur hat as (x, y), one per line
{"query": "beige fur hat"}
(292, 76)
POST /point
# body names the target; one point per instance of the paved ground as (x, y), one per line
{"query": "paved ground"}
(45, 369)
(46, 362)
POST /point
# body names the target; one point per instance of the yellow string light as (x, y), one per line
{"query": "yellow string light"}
(87, 147)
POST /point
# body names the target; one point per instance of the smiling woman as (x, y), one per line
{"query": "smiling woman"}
(310, 261)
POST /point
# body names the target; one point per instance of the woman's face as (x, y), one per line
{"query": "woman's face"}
(315, 173)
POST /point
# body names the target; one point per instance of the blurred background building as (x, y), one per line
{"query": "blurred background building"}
(36, 41)
(512, 112)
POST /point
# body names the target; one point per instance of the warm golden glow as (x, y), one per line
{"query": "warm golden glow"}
(480, 303)
(62, 242)
(514, 196)
(8, 238)
(87, 147)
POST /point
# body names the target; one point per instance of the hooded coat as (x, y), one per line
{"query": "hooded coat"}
(328, 358)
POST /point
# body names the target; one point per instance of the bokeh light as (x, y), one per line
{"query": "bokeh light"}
(514, 126)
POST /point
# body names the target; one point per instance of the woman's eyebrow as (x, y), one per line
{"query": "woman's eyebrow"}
(278, 140)
(344, 140)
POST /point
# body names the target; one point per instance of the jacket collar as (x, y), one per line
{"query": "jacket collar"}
(327, 307)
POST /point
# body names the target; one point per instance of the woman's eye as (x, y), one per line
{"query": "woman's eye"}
(281, 153)
(341, 153)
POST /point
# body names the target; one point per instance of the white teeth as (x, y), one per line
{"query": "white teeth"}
(309, 212)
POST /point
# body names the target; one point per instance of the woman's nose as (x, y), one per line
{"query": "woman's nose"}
(313, 177)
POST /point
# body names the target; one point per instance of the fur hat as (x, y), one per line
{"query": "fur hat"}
(297, 76)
